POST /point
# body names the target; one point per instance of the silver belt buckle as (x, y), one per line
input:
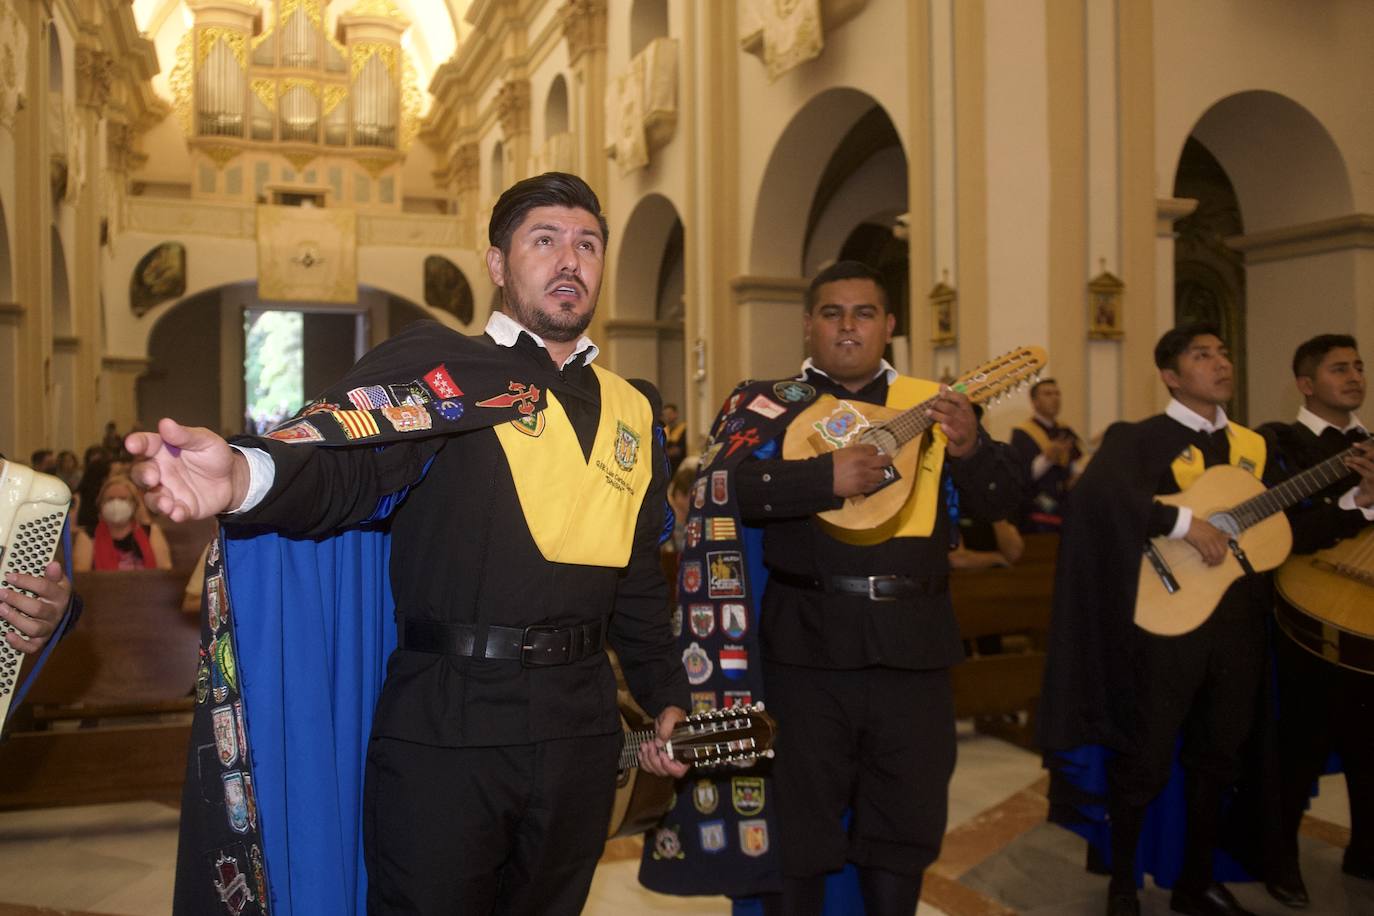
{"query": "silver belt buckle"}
(873, 588)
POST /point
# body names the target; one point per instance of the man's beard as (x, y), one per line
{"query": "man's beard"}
(561, 326)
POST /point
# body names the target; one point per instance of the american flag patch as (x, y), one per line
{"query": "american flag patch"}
(369, 398)
(357, 424)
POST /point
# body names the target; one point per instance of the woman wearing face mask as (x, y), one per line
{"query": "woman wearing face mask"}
(118, 540)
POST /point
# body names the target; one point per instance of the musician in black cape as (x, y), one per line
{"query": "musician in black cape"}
(1115, 696)
(525, 487)
(1323, 705)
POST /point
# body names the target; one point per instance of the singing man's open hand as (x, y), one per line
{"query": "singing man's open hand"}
(189, 472)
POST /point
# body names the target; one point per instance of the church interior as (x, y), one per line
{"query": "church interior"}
(232, 200)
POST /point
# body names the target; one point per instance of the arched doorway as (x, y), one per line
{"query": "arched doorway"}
(648, 327)
(1299, 268)
(834, 187)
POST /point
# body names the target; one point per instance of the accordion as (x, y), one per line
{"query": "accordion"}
(33, 509)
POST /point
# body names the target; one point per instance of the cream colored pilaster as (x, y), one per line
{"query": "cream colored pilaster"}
(931, 191)
(1071, 150)
(76, 363)
(769, 311)
(1141, 392)
(970, 186)
(713, 243)
(24, 424)
(584, 29)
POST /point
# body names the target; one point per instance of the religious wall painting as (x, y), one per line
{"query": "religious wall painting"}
(943, 317)
(160, 275)
(447, 289)
(1104, 305)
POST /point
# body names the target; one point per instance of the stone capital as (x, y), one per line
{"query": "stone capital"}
(465, 165)
(513, 107)
(584, 26)
(94, 76)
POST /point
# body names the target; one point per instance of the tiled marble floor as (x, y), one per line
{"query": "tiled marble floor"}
(117, 859)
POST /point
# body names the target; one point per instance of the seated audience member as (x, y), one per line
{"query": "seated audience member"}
(85, 501)
(118, 540)
(44, 461)
(68, 469)
(984, 545)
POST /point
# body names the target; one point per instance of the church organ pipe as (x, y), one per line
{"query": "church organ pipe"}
(221, 91)
(300, 41)
(375, 105)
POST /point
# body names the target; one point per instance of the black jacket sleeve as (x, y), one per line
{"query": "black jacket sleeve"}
(773, 488)
(639, 630)
(318, 490)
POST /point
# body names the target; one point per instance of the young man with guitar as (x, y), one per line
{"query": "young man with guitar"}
(1326, 684)
(856, 638)
(1111, 684)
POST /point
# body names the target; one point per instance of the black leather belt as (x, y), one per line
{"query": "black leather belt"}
(534, 647)
(874, 588)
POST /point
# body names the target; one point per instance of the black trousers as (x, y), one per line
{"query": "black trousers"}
(879, 741)
(1324, 708)
(510, 830)
(1206, 683)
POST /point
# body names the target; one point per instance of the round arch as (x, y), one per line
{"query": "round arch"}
(1290, 183)
(641, 258)
(799, 161)
(556, 118)
(1282, 161)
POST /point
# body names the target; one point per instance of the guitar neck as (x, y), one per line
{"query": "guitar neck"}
(629, 753)
(1292, 490)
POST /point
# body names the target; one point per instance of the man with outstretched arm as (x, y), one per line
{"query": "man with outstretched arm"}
(521, 490)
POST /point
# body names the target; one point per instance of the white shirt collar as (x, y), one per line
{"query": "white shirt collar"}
(1318, 425)
(505, 330)
(884, 368)
(1194, 421)
(1044, 420)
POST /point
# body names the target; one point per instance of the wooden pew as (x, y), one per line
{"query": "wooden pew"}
(108, 718)
(1014, 603)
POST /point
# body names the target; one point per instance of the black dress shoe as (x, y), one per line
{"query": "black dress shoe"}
(1212, 900)
(1284, 884)
(1123, 904)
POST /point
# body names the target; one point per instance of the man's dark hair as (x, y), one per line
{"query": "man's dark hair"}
(1309, 355)
(1044, 381)
(1175, 341)
(551, 189)
(846, 270)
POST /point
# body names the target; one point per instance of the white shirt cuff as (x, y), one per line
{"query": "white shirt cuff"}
(261, 472)
(1347, 501)
(1185, 521)
(1039, 465)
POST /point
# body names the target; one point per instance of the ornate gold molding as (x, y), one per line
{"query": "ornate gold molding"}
(513, 107)
(466, 168)
(584, 26)
(408, 230)
(161, 216)
(94, 76)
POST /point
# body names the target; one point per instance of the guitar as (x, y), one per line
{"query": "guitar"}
(831, 424)
(1330, 595)
(1177, 591)
(737, 735)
